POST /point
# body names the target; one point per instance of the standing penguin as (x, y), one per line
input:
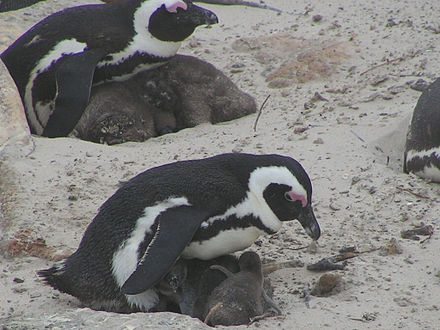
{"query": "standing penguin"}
(422, 149)
(191, 209)
(57, 61)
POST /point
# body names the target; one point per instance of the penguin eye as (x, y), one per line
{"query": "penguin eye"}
(288, 197)
(292, 197)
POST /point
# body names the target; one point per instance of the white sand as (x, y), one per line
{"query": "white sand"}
(55, 187)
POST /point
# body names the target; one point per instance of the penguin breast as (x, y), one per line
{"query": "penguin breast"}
(225, 242)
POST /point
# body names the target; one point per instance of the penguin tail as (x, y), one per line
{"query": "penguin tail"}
(55, 277)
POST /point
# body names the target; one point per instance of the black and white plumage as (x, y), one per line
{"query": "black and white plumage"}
(422, 150)
(57, 61)
(191, 209)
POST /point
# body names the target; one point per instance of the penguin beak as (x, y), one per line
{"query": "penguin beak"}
(201, 16)
(307, 219)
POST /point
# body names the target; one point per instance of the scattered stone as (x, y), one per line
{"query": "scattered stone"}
(427, 230)
(318, 141)
(435, 30)
(318, 97)
(317, 18)
(326, 284)
(326, 264)
(393, 247)
(369, 316)
(391, 23)
(300, 129)
(403, 302)
(378, 80)
(309, 105)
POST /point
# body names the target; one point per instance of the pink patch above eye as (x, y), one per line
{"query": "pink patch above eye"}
(297, 197)
(178, 4)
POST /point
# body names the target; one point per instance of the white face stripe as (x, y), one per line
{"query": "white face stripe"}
(125, 259)
(261, 177)
(42, 113)
(254, 202)
(224, 242)
(143, 41)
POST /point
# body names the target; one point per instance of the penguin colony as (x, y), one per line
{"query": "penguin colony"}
(190, 209)
(56, 62)
(422, 150)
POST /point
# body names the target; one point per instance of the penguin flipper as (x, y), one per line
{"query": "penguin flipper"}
(74, 76)
(176, 227)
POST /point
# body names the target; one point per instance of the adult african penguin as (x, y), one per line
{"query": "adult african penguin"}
(191, 209)
(422, 149)
(57, 61)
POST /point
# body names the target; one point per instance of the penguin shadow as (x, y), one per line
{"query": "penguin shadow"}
(183, 93)
(223, 291)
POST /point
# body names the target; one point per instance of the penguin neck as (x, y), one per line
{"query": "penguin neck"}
(143, 40)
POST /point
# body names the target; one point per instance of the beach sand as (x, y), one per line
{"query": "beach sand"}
(341, 81)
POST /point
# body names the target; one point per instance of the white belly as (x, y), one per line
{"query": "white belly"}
(225, 242)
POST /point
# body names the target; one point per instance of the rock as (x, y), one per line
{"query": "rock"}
(326, 284)
(393, 247)
(14, 131)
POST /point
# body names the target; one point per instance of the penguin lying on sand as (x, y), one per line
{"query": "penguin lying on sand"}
(56, 62)
(191, 209)
(239, 298)
(422, 150)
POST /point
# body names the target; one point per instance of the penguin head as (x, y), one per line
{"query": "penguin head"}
(250, 261)
(176, 20)
(287, 190)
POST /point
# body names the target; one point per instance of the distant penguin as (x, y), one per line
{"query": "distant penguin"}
(57, 61)
(240, 297)
(190, 209)
(422, 150)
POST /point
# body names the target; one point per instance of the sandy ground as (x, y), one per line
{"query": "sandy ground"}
(349, 69)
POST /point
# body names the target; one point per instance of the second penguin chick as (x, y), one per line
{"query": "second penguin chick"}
(240, 297)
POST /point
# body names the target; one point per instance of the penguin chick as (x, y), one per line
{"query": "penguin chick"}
(209, 279)
(240, 297)
(202, 209)
(422, 149)
(115, 115)
(56, 62)
(171, 287)
(183, 93)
